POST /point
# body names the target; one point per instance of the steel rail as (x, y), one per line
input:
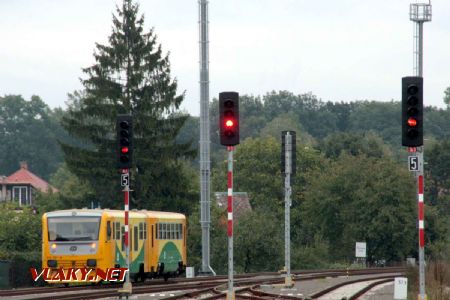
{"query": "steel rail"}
(242, 279)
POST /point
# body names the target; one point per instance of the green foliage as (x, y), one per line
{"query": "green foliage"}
(45, 202)
(218, 240)
(29, 132)
(72, 192)
(258, 242)
(447, 96)
(359, 198)
(314, 255)
(130, 75)
(287, 122)
(383, 118)
(353, 144)
(438, 158)
(257, 172)
(20, 230)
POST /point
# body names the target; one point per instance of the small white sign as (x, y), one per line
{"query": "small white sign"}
(124, 179)
(360, 249)
(413, 163)
(400, 288)
(190, 272)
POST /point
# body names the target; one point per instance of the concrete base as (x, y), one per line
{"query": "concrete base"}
(126, 290)
(231, 296)
(288, 282)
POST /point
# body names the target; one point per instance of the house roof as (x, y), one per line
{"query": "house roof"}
(25, 176)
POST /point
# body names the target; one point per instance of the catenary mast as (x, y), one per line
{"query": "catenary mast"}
(205, 173)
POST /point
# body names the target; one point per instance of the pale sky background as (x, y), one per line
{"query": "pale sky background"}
(338, 50)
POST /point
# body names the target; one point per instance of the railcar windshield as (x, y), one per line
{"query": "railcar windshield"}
(73, 228)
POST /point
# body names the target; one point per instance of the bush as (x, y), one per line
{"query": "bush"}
(437, 280)
(21, 262)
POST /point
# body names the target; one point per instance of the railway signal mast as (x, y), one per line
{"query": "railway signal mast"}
(288, 169)
(124, 127)
(229, 136)
(412, 88)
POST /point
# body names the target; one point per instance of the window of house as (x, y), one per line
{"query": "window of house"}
(20, 194)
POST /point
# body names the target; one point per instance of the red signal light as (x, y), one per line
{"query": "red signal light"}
(412, 122)
(229, 123)
(124, 150)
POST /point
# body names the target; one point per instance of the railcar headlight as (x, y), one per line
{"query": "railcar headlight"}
(53, 246)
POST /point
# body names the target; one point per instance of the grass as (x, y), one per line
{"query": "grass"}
(437, 281)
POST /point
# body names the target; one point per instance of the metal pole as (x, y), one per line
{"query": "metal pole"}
(205, 174)
(420, 13)
(230, 294)
(420, 178)
(287, 212)
(420, 205)
(127, 287)
(420, 52)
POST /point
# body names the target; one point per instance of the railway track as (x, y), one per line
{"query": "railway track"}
(255, 293)
(246, 285)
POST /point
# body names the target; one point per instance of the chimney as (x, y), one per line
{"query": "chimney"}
(24, 165)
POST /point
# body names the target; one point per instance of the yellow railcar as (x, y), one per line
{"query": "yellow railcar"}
(94, 238)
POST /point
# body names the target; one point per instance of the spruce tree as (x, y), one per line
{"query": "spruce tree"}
(130, 75)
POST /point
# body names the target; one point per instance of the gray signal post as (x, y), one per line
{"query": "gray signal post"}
(288, 138)
(420, 13)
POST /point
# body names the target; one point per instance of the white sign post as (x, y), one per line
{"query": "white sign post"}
(190, 272)
(360, 252)
(401, 288)
(360, 249)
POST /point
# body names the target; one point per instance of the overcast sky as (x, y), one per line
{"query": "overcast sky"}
(338, 50)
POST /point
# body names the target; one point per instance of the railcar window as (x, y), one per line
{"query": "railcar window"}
(108, 230)
(142, 231)
(152, 236)
(163, 231)
(117, 231)
(145, 231)
(169, 231)
(73, 228)
(136, 241)
(123, 238)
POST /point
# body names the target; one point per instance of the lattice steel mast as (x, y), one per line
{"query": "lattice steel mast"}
(205, 173)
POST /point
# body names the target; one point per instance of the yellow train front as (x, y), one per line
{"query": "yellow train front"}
(95, 239)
